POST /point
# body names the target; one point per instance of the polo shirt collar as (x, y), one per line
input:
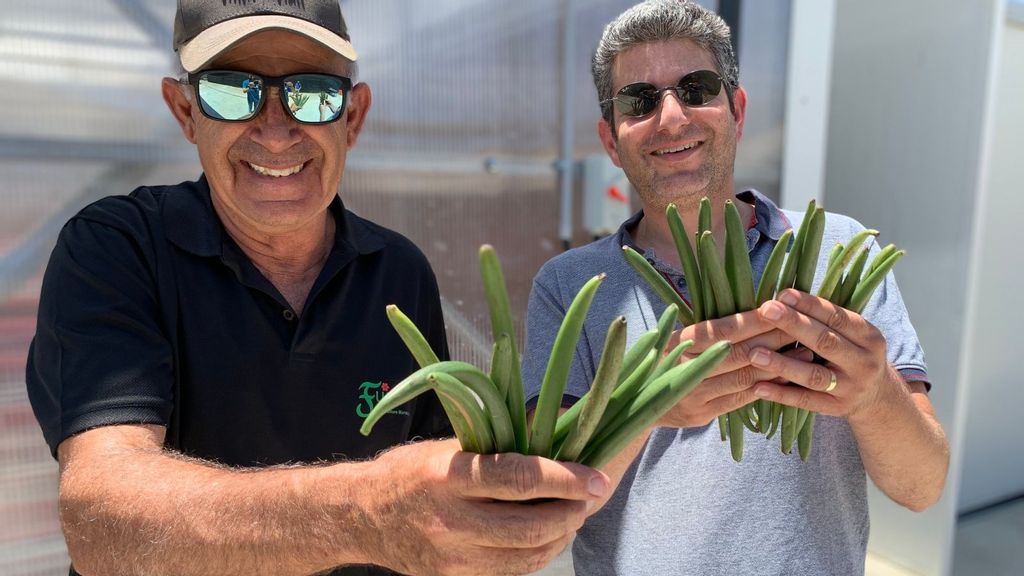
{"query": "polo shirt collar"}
(189, 220)
(192, 224)
(771, 221)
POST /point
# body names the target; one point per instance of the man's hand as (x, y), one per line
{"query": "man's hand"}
(854, 350)
(878, 404)
(443, 511)
(730, 386)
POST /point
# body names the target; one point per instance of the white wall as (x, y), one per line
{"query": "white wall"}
(808, 81)
(993, 469)
(906, 117)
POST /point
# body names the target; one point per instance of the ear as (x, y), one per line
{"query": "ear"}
(608, 140)
(181, 106)
(739, 104)
(359, 103)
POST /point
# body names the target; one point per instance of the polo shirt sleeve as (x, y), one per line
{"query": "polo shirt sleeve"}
(100, 355)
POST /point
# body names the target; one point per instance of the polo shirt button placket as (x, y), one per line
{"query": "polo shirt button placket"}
(288, 315)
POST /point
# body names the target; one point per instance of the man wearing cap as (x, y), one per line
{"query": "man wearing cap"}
(206, 352)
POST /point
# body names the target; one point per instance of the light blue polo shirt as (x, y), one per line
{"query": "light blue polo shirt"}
(685, 507)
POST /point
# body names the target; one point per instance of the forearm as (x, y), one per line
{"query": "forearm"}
(903, 446)
(140, 510)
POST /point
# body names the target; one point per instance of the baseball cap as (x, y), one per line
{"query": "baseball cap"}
(205, 28)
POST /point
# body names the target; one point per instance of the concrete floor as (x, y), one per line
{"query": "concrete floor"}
(989, 542)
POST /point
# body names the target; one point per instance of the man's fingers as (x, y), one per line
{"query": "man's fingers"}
(821, 338)
(796, 370)
(739, 353)
(517, 477)
(800, 397)
(734, 328)
(731, 382)
(518, 525)
(453, 512)
(773, 339)
(502, 560)
(851, 325)
(489, 543)
(799, 353)
(730, 402)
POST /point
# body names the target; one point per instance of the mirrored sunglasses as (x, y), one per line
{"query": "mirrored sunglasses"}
(641, 98)
(236, 96)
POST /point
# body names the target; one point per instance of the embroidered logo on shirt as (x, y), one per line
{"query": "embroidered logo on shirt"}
(370, 394)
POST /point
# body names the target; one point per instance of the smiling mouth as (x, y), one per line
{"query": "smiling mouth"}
(689, 146)
(274, 172)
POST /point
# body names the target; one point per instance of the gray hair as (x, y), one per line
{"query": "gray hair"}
(658, 21)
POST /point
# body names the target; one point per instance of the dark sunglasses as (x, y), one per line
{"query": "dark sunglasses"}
(236, 96)
(641, 98)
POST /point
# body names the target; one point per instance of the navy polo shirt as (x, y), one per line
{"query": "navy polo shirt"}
(151, 313)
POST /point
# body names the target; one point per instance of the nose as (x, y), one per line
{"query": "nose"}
(671, 110)
(274, 128)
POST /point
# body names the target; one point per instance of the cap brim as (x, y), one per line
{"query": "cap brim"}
(199, 51)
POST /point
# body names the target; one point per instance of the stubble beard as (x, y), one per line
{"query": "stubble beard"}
(657, 192)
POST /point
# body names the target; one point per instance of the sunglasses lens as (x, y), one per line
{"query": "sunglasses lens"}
(315, 98)
(227, 95)
(234, 96)
(637, 99)
(698, 88)
(695, 89)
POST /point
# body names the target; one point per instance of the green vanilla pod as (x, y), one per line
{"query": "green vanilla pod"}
(600, 391)
(788, 277)
(658, 282)
(496, 293)
(841, 261)
(654, 402)
(553, 386)
(737, 260)
(691, 271)
(474, 420)
(770, 276)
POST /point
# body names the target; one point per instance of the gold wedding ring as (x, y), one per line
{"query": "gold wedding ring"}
(832, 382)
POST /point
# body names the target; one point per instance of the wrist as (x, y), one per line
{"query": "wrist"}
(341, 496)
(384, 504)
(890, 395)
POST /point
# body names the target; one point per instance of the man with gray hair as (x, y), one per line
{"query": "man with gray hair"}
(672, 115)
(206, 352)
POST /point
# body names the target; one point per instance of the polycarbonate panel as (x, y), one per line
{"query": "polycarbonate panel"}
(460, 149)
(83, 119)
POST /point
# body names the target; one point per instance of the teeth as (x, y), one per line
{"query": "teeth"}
(275, 173)
(674, 150)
